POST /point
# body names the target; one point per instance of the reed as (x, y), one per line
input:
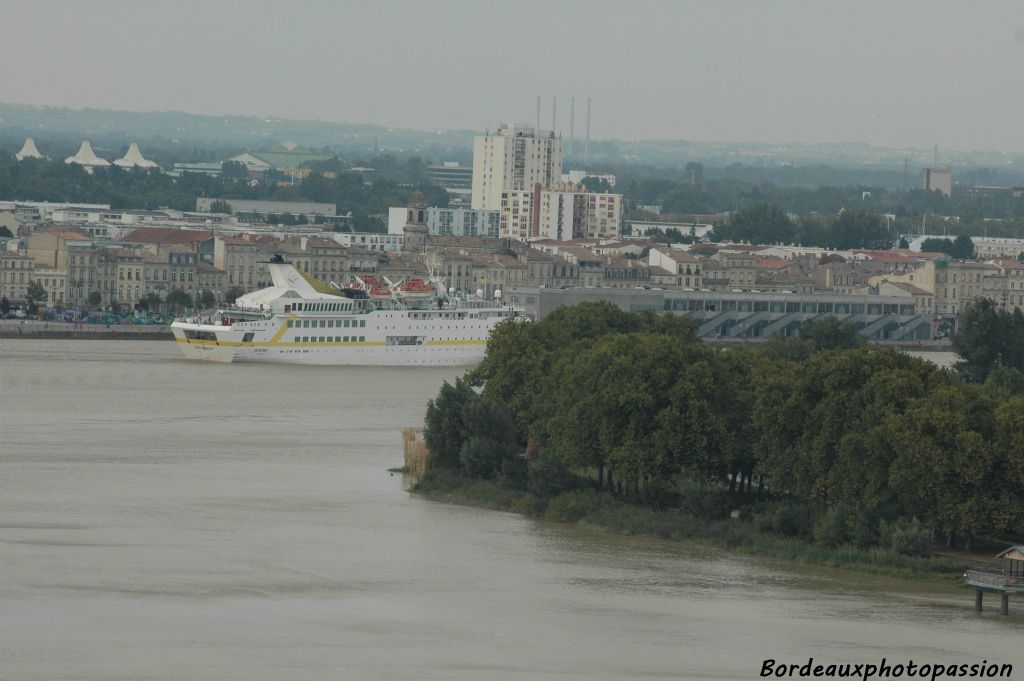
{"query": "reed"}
(417, 459)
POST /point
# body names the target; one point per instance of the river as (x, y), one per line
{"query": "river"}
(164, 519)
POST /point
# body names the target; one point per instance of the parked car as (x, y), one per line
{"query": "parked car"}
(16, 314)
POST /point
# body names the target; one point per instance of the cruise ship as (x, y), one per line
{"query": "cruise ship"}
(300, 320)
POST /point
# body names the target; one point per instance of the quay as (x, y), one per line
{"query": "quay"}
(1011, 580)
(31, 328)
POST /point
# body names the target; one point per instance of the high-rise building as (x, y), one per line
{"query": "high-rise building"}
(937, 178)
(515, 158)
(562, 212)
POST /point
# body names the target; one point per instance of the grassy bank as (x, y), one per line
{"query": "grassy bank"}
(604, 512)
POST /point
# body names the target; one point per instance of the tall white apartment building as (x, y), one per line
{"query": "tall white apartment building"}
(562, 213)
(516, 214)
(515, 158)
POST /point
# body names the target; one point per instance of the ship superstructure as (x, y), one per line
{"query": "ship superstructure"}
(300, 320)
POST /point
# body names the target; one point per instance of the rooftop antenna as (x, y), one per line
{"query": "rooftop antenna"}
(935, 156)
(537, 129)
(906, 174)
(554, 114)
(586, 145)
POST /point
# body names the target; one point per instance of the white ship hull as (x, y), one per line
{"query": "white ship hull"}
(441, 353)
(297, 322)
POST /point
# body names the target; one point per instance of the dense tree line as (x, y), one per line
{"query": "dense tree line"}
(765, 223)
(391, 185)
(855, 445)
(732, 190)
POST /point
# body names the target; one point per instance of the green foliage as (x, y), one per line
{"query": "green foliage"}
(233, 293)
(94, 299)
(207, 299)
(549, 476)
(905, 536)
(859, 229)
(35, 294)
(466, 431)
(762, 223)
(220, 206)
(847, 434)
(986, 338)
(4, 232)
(179, 300)
(570, 507)
(844, 524)
(444, 427)
(831, 333)
(485, 457)
(787, 519)
(960, 248)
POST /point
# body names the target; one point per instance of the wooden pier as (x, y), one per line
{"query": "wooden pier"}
(1010, 580)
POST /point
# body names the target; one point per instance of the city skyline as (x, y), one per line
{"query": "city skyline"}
(780, 73)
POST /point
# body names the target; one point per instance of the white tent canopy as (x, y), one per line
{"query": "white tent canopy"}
(134, 158)
(87, 157)
(28, 150)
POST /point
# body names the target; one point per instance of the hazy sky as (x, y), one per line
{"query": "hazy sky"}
(892, 72)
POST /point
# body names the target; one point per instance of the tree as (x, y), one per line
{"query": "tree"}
(987, 337)
(234, 170)
(232, 294)
(178, 300)
(35, 295)
(596, 185)
(947, 469)
(859, 229)
(762, 223)
(5, 306)
(4, 232)
(150, 301)
(220, 206)
(961, 248)
(94, 299)
(831, 333)
(466, 431)
(207, 299)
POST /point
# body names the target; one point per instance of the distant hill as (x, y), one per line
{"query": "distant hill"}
(170, 128)
(174, 134)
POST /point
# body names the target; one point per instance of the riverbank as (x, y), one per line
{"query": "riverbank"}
(31, 328)
(606, 513)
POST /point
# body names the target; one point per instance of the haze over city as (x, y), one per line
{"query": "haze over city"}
(892, 74)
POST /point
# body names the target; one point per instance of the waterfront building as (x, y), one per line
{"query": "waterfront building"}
(514, 158)
(952, 283)
(748, 315)
(16, 273)
(54, 282)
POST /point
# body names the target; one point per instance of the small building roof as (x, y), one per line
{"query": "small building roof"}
(1008, 553)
